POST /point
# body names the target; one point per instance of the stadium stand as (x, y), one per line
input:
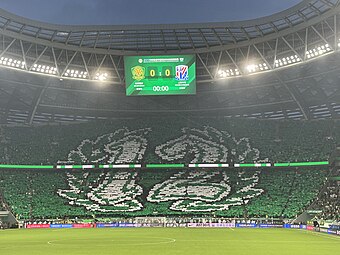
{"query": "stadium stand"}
(228, 193)
(328, 201)
(37, 194)
(171, 140)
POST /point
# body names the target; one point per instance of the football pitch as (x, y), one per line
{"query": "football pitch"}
(152, 241)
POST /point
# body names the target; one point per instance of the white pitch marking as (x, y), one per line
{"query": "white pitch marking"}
(325, 235)
(170, 240)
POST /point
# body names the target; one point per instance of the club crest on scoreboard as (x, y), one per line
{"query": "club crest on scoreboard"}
(182, 73)
(138, 73)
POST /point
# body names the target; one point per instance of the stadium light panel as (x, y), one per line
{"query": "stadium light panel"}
(44, 69)
(318, 51)
(223, 74)
(286, 61)
(101, 76)
(255, 68)
(71, 73)
(10, 62)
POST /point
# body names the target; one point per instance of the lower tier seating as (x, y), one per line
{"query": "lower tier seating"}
(44, 194)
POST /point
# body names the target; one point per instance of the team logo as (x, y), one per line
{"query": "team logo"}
(182, 73)
(138, 73)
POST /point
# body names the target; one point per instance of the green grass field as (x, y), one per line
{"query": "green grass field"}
(152, 241)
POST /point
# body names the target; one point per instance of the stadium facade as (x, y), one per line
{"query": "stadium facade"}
(282, 66)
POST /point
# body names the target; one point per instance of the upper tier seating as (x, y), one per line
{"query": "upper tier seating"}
(170, 140)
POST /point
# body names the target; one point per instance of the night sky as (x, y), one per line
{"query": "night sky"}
(116, 12)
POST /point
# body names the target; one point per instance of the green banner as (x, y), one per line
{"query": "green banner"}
(321, 163)
(27, 166)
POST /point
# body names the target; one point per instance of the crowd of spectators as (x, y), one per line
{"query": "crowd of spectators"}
(32, 194)
(328, 202)
(277, 141)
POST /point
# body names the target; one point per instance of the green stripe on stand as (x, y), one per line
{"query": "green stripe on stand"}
(27, 166)
(321, 163)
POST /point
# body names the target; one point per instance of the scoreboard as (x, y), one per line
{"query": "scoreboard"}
(160, 75)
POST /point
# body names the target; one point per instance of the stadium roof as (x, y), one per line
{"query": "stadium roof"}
(224, 51)
(132, 39)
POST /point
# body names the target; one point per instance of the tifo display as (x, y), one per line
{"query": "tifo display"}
(194, 155)
(160, 75)
(223, 193)
(169, 142)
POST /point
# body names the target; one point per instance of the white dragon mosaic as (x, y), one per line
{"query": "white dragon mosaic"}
(205, 191)
(188, 191)
(208, 145)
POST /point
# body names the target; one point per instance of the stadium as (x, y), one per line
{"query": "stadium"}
(202, 138)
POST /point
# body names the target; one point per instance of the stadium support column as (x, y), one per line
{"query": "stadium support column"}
(335, 157)
(303, 110)
(36, 103)
(3, 117)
